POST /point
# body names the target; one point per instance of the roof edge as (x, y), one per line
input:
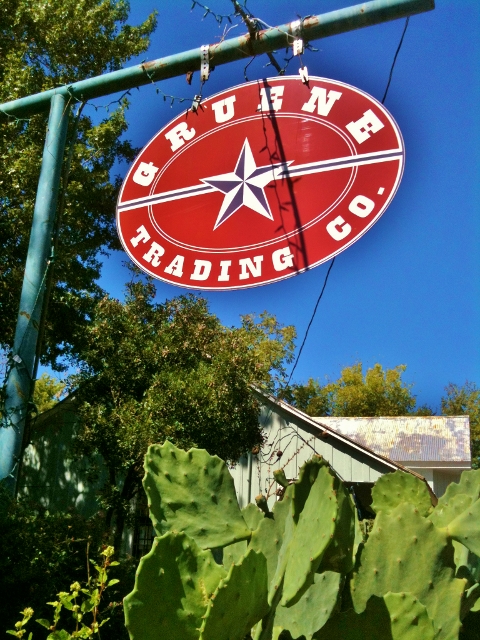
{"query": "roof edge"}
(315, 424)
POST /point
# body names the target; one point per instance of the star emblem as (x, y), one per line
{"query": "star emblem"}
(245, 186)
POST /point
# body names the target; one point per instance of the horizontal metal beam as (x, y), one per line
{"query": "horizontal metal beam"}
(313, 28)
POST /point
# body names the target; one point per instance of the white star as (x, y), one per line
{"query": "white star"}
(245, 185)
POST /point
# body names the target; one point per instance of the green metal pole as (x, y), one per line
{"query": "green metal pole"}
(314, 27)
(19, 381)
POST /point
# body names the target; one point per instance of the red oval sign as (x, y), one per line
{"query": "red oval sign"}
(263, 181)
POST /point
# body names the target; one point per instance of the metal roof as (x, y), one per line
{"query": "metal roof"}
(324, 430)
(409, 438)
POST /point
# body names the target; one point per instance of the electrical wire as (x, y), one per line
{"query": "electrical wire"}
(311, 321)
(395, 59)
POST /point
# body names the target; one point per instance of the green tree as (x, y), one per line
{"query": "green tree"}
(44, 45)
(153, 371)
(377, 392)
(48, 391)
(465, 400)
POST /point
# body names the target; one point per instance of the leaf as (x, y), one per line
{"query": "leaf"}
(112, 582)
(45, 623)
(87, 605)
(66, 602)
(59, 634)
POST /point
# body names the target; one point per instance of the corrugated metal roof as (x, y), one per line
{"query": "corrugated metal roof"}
(409, 439)
(324, 430)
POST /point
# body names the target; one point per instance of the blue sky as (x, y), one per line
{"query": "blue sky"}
(408, 291)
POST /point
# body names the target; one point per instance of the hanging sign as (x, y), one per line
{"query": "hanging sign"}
(261, 182)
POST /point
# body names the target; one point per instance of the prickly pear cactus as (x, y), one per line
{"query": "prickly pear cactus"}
(457, 498)
(465, 528)
(239, 601)
(406, 552)
(313, 533)
(192, 491)
(396, 488)
(313, 609)
(268, 538)
(174, 584)
(304, 569)
(301, 488)
(340, 553)
(252, 516)
(457, 512)
(394, 616)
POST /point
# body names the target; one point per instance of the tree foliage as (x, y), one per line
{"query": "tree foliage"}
(380, 392)
(44, 44)
(377, 392)
(48, 391)
(152, 371)
(465, 400)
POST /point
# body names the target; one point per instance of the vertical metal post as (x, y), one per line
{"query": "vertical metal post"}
(19, 382)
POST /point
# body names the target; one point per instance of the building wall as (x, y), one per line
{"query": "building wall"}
(438, 479)
(52, 473)
(289, 444)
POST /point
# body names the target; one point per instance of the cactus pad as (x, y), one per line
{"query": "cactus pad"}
(283, 559)
(406, 552)
(269, 537)
(252, 516)
(239, 602)
(457, 498)
(192, 491)
(339, 555)
(393, 489)
(280, 478)
(313, 609)
(301, 487)
(173, 587)
(395, 616)
(312, 535)
(465, 528)
(467, 563)
(468, 484)
(233, 553)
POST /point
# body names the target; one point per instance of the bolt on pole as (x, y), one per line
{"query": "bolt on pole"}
(19, 381)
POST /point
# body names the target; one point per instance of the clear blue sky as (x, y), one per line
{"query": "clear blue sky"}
(408, 291)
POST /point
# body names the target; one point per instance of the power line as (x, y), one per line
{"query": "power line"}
(395, 59)
(311, 320)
